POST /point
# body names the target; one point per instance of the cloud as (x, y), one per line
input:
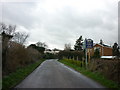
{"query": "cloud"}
(18, 13)
(57, 22)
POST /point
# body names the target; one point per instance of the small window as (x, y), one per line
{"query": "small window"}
(97, 48)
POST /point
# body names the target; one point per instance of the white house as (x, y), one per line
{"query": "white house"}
(54, 51)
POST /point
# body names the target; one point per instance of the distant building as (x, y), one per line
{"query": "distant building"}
(47, 51)
(104, 50)
(54, 51)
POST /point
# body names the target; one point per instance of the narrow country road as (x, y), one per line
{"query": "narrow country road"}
(53, 74)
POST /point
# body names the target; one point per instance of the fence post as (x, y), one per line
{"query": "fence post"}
(77, 58)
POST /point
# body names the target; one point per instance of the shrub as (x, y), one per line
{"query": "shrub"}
(109, 68)
(77, 63)
(19, 56)
(76, 55)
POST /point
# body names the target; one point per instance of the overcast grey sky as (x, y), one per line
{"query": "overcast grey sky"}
(57, 22)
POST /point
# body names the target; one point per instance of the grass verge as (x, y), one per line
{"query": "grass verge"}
(93, 75)
(16, 77)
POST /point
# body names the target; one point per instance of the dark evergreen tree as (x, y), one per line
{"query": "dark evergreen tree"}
(40, 49)
(116, 50)
(78, 45)
(96, 53)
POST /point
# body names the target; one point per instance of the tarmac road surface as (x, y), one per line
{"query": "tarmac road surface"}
(53, 74)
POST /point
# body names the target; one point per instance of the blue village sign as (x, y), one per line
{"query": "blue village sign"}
(89, 43)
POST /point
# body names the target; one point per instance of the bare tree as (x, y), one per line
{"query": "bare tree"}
(8, 33)
(11, 29)
(20, 37)
(67, 47)
(8, 29)
(2, 27)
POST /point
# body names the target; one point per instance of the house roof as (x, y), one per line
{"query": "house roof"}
(102, 45)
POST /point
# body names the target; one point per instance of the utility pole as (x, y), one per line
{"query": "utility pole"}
(86, 57)
(84, 46)
(5, 40)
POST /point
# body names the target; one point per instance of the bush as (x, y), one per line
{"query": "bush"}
(109, 68)
(33, 54)
(18, 56)
(96, 54)
(77, 63)
(76, 55)
(49, 56)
